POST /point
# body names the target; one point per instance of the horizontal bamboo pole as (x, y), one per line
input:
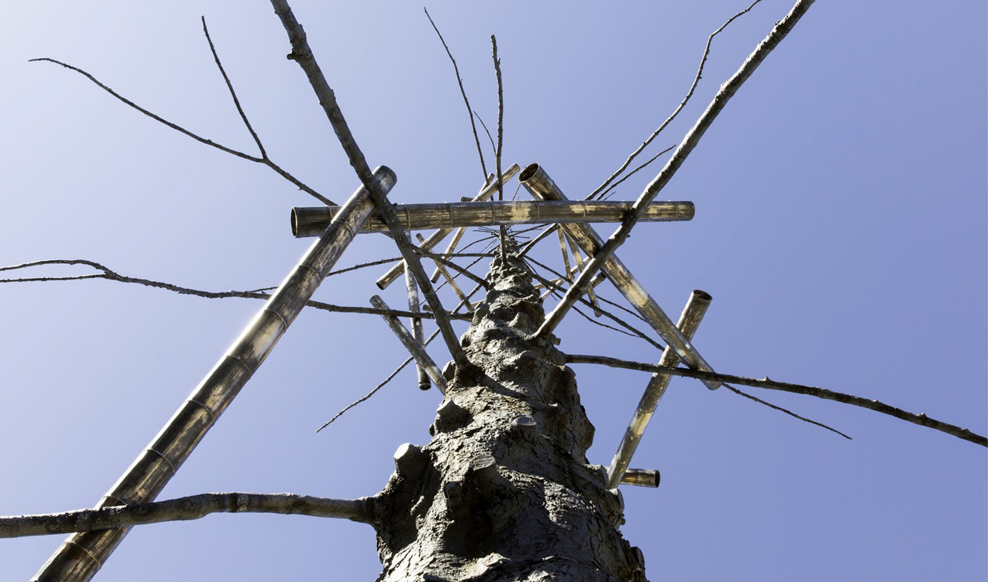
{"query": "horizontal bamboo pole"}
(689, 321)
(435, 238)
(82, 555)
(640, 477)
(310, 221)
(542, 187)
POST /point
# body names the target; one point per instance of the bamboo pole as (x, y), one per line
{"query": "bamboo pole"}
(542, 187)
(689, 321)
(579, 266)
(416, 323)
(641, 478)
(460, 231)
(310, 221)
(82, 555)
(445, 273)
(416, 349)
(435, 238)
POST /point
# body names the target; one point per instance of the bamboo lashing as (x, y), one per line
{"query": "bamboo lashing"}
(541, 186)
(308, 221)
(81, 556)
(689, 321)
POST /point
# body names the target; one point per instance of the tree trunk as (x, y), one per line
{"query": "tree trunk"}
(504, 490)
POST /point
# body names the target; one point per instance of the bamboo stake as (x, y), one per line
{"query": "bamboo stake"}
(562, 249)
(542, 187)
(415, 348)
(459, 232)
(445, 273)
(641, 478)
(82, 555)
(579, 265)
(689, 321)
(434, 239)
(311, 221)
(417, 332)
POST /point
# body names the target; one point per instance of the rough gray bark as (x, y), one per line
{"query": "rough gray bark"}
(504, 490)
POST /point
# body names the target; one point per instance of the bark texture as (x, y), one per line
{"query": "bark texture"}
(504, 491)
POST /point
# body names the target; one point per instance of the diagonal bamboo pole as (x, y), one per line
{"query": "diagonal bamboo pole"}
(689, 321)
(542, 187)
(414, 347)
(436, 237)
(82, 555)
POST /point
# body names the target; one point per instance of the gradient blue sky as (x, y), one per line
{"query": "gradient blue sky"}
(840, 227)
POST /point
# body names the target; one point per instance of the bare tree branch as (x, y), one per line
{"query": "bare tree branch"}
(390, 377)
(500, 141)
(264, 160)
(110, 275)
(920, 419)
(635, 331)
(302, 54)
(604, 195)
(459, 81)
(696, 80)
(785, 411)
(183, 509)
(686, 146)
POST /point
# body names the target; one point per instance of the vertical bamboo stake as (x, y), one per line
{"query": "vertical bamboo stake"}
(445, 273)
(689, 321)
(416, 322)
(82, 555)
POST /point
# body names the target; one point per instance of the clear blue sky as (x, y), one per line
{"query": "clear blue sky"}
(840, 227)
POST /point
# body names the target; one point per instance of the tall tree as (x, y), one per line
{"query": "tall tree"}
(725, 441)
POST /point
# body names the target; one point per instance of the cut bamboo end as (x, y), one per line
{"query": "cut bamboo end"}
(641, 477)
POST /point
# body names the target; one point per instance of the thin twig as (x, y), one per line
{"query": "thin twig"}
(302, 54)
(920, 419)
(696, 80)
(463, 92)
(487, 131)
(233, 93)
(183, 509)
(604, 195)
(686, 146)
(367, 396)
(264, 160)
(607, 314)
(785, 411)
(110, 275)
